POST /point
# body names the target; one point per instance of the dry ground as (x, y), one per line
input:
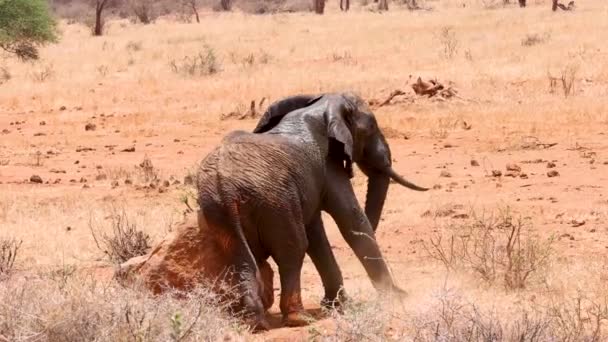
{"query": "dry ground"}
(125, 85)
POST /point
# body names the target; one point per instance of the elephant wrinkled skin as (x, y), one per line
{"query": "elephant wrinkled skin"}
(262, 195)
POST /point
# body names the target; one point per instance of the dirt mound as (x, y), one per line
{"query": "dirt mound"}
(188, 257)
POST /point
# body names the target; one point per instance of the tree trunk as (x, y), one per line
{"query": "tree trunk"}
(554, 7)
(345, 5)
(195, 10)
(98, 30)
(383, 5)
(522, 3)
(319, 6)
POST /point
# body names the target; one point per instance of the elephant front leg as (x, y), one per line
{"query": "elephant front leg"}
(324, 260)
(341, 203)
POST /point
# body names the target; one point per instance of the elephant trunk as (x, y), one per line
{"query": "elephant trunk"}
(377, 187)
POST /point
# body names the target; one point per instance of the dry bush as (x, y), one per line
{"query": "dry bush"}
(535, 39)
(275, 6)
(144, 11)
(5, 75)
(202, 64)
(568, 78)
(149, 173)
(448, 41)
(124, 241)
(43, 73)
(579, 317)
(494, 247)
(84, 309)
(9, 249)
(451, 318)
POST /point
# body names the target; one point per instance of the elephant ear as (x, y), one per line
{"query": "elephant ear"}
(279, 109)
(339, 115)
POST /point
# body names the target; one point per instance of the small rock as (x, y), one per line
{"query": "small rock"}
(550, 165)
(513, 167)
(128, 182)
(474, 162)
(57, 181)
(577, 223)
(445, 173)
(496, 173)
(5, 131)
(39, 134)
(68, 228)
(523, 176)
(448, 145)
(62, 108)
(189, 180)
(166, 184)
(552, 173)
(72, 181)
(129, 149)
(176, 140)
(90, 127)
(36, 179)
(77, 162)
(437, 187)
(42, 123)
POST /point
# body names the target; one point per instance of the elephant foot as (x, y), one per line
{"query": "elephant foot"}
(297, 319)
(258, 325)
(335, 303)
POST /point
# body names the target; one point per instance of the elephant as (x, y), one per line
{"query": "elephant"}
(262, 194)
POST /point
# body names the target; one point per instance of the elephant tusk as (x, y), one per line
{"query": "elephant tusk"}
(397, 178)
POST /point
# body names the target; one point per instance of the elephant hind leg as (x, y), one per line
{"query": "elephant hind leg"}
(243, 272)
(287, 244)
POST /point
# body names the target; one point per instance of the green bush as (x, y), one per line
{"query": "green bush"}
(24, 25)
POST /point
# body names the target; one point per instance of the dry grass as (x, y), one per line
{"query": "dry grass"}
(78, 307)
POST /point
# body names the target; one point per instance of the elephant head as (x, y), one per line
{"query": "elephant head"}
(354, 136)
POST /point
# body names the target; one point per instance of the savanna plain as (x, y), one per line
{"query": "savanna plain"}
(510, 244)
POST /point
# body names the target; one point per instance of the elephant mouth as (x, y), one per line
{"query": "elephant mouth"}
(400, 180)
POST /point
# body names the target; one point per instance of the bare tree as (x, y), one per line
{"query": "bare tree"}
(345, 5)
(194, 6)
(143, 10)
(383, 5)
(319, 6)
(99, 6)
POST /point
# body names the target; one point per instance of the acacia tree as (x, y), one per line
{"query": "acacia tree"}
(25, 25)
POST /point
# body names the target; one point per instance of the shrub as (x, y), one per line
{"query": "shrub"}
(494, 247)
(449, 42)
(85, 309)
(9, 249)
(125, 240)
(24, 25)
(203, 64)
